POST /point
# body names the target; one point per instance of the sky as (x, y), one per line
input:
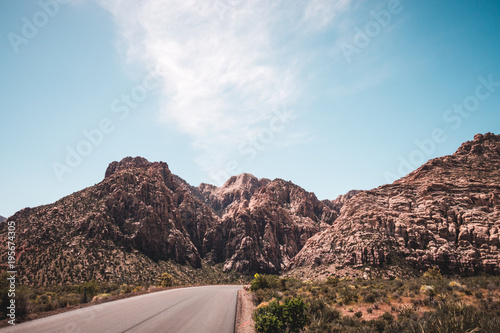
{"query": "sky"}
(332, 95)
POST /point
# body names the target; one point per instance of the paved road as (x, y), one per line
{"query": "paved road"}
(183, 310)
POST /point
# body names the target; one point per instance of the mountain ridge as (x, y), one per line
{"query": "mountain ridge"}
(140, 216)
(445, 213)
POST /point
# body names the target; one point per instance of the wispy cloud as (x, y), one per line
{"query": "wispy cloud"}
(318, 14)
(223, 76)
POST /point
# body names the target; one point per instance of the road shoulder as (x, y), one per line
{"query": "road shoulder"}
(244, 312)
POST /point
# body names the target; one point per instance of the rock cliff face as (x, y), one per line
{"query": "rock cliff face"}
(263, 223)
(114, 230)
(141, 214)
(2, 219)
(445, 213)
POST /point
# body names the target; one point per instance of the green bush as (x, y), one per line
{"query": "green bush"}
(277, 318)
(264, 282)
(88, 290)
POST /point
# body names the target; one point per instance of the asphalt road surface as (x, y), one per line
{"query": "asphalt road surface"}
(183, 310)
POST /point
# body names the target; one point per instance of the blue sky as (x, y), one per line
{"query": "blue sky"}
(332, 95)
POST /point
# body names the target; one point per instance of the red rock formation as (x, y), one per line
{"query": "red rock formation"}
(264, 223)
(446, 213)
(138, 212)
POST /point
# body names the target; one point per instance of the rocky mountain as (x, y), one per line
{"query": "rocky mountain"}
(445, 213)
(126, 227)
(141, 219)
(117, 230)
(263, 223)
(2, 219)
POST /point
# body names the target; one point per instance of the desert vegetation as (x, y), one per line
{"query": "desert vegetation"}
(430, 303)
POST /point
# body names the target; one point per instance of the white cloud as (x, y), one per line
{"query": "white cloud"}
(224, 63)
(320, 13)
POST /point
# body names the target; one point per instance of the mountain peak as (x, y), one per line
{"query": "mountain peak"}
(127, 163)
(244, 180)
(487, 145)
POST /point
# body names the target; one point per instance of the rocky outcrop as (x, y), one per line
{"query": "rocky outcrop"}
(264, 223)
(141, 214)
(2, 219)
(128, 226)
(337, 204)
(138, 213)
(445, 213)
(235, 190)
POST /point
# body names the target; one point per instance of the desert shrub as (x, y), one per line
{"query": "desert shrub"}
(263, 281)
(289, 284)
(456, 318)
(387, 316)
(433, 273)
(69, 299)
(315, 307)
(166, 280)
(261, 295)
(332, 280)
(455, 285)
(126, 288)
(379, 325)
(88, 290)
(277, 318)
(369, 310)
(358, 314)
(405, 311)
(348, 294)
(330, 314)
(371, 297)
(429, 291)
(398, 284)
(413, 286)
